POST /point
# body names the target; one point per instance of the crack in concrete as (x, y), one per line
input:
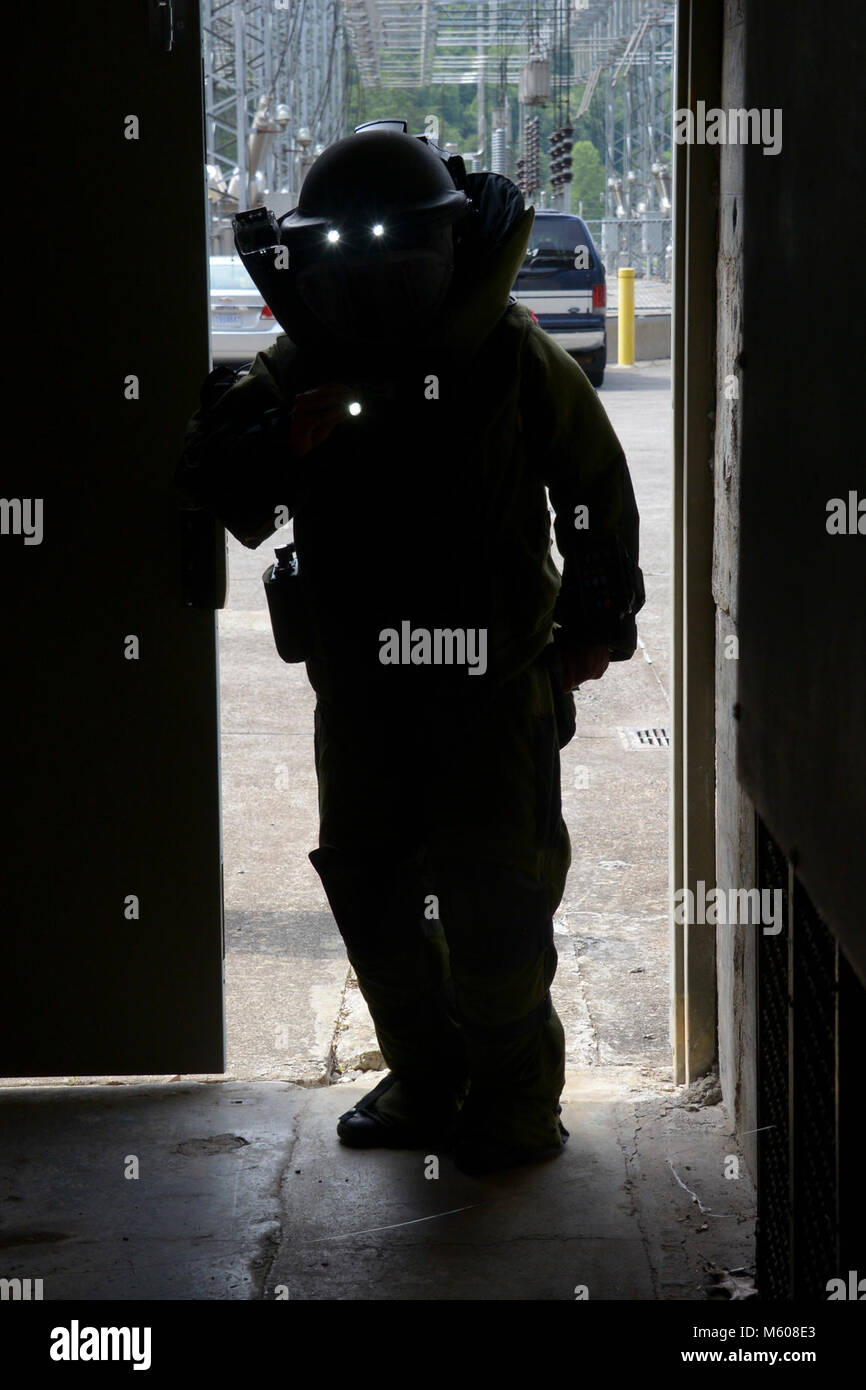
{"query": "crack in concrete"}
(271, 1240)
(650, 662)
(332, 1075)
(584, 997)
(270, 1248)
(630, 1188)
(705, 1211)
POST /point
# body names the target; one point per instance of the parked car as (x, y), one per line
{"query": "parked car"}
(241, 323)
(562, 282)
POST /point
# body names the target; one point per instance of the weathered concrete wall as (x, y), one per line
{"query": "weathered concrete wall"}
(802, 620)
(735, 849)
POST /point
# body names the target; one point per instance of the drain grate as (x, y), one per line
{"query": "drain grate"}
(645, 738)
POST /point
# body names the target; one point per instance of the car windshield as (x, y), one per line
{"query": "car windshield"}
(229, 275)
(555, 240)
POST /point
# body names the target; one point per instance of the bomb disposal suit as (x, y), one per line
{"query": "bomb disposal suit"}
(426, 604)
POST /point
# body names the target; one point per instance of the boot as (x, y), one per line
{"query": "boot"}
(475, 1154)
(395, 1115)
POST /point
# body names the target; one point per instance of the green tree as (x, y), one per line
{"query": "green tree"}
(587, 183)
(455, 105)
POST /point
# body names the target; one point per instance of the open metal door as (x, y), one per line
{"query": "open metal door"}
(112, 926)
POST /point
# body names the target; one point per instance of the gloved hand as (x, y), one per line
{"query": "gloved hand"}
(316, 413)
(582, 663)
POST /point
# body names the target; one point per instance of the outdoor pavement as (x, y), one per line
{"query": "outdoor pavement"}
(244, 1186)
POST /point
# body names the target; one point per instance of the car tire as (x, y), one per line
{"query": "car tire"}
(595, 378)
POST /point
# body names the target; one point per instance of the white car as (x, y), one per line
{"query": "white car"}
(241, 324)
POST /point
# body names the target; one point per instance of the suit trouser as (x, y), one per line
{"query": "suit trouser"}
(444, 855)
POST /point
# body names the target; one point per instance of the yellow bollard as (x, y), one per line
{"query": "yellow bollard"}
(626, 318)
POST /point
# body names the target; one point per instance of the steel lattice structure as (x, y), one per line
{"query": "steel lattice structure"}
(276, 74)
(274, 88)
(411, 43)
(618, 51)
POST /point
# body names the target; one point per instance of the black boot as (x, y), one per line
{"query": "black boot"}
(485, 1156)
(395, 1115)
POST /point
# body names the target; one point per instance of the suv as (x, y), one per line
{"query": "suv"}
(562, 283)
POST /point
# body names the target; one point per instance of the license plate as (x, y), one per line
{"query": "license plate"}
(222, 320)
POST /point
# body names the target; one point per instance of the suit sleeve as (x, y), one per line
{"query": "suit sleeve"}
(581, 461)
(236, 459)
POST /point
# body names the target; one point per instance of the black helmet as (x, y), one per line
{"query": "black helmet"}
(371, 251)
(370, 244)
(375, 179)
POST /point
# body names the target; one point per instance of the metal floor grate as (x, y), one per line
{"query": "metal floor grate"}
(645, 738)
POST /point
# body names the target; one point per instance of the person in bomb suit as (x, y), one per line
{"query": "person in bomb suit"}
(410, 422)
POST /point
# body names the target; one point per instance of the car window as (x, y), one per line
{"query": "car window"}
(552, 239)
(229, 275)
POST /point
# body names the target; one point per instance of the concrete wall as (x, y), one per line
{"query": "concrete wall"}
(652, 337)
(735, 848)
(789, 701)
(801, 613)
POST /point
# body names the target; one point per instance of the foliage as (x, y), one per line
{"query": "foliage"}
(456, 107)
(454, 104)
(588, 180)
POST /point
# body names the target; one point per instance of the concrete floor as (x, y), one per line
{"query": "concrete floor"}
(243, 1186)
(243, 1192)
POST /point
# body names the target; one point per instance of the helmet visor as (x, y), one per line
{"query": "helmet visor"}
(386, 293)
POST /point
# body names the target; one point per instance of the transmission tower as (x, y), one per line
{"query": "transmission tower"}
(274, 81)
(276, 93)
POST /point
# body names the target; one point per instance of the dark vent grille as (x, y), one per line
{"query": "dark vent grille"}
(773, 1252)
(814, 1072)
(645, 738)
